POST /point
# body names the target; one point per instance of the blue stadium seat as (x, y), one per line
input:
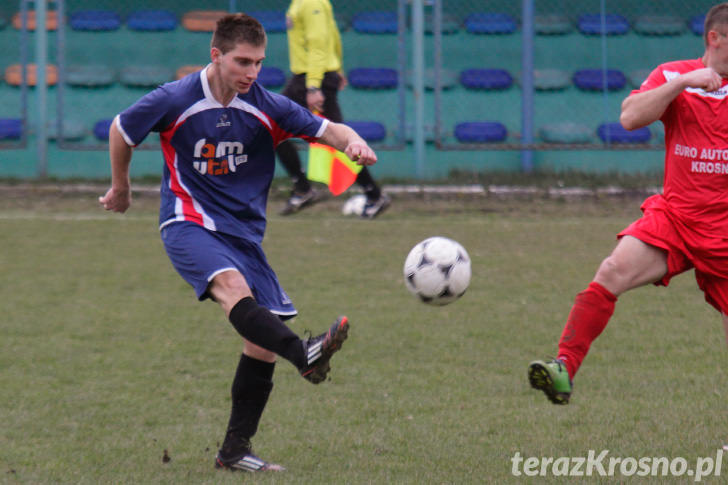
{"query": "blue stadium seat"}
(550, 79)
(90, 76)
(429, 129)
(490, 23)
(379, 22)
(371, 131)
(145, 76)
(271, 77)
(592, 79)
(101, 129)
(95, 20)
(11, 128)
(615, 133)
(591, 24)
(486, 79)
(697, 24)
(552, 24)
(659, 25)
(273, 21)
(373, 78)
(448, 79)
(152, 20)
(72, 130)
(566, 132)
(450, 24)
(480, 132)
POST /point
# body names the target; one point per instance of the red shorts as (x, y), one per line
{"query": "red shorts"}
(685, 250)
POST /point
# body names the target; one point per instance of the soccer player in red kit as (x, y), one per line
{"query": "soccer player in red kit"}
(686, 226)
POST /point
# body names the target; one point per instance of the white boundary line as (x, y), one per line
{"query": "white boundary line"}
(473, 189)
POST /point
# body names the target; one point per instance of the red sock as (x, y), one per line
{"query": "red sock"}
(591, 311)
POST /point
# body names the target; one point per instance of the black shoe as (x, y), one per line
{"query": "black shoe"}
(245, 460)
(319, 350)
(298, 201)
(375, 207)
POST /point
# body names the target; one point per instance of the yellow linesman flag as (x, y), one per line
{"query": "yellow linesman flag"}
(331, 167)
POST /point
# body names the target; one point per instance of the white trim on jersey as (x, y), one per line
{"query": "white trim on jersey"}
(206, 85)
(238, 103)
(198, 107)
(211, 103)
(718, 94)
(322, 129)
(117, 122)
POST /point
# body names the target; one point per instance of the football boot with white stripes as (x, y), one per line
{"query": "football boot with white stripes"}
(242, 457)
(319, 350)
(248, 462)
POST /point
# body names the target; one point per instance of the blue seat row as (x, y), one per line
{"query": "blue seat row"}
(500, 23)
(156, 20)
(374, 131)
(386, 22)
(98, 76)
(369, 78)
(488, 79)
(494, 132)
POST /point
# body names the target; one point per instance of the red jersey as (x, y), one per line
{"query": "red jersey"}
(695, 188)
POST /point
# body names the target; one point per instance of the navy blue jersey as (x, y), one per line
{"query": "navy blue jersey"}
(218, 160)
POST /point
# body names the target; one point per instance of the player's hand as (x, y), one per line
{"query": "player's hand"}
(315, 100)
(360, 153)
(705, 78)
(116, 200)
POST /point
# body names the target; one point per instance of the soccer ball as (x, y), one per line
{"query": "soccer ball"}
(437, 270)
(355, 205)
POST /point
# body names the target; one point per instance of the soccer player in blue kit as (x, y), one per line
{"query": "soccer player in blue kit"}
(218, 130)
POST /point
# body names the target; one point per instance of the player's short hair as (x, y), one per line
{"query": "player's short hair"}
(237, 28)
(717, 15)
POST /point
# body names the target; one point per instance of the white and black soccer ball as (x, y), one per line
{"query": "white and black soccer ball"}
(355, 205)
(437, 270)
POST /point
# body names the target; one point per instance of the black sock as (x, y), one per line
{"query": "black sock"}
(369, 186)
(250, 390)
(288, 156)
(258, 325)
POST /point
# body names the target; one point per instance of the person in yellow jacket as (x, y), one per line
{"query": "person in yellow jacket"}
(314, 47)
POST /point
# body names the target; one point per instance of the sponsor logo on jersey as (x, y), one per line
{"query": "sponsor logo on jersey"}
(222, 121)
(220, 159)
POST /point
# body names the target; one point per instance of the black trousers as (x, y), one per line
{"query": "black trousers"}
(295, 90)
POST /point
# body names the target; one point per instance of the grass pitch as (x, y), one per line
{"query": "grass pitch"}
(112, 372)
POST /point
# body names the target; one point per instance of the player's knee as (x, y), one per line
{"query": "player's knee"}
(229, 287)
(613, 274)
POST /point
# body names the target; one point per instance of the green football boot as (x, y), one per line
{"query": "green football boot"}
(552, 378)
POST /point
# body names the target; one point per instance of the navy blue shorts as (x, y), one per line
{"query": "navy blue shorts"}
(199, 255)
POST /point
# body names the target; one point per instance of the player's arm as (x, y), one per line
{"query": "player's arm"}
(345, 139)
(118, 197)
(645, 107)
